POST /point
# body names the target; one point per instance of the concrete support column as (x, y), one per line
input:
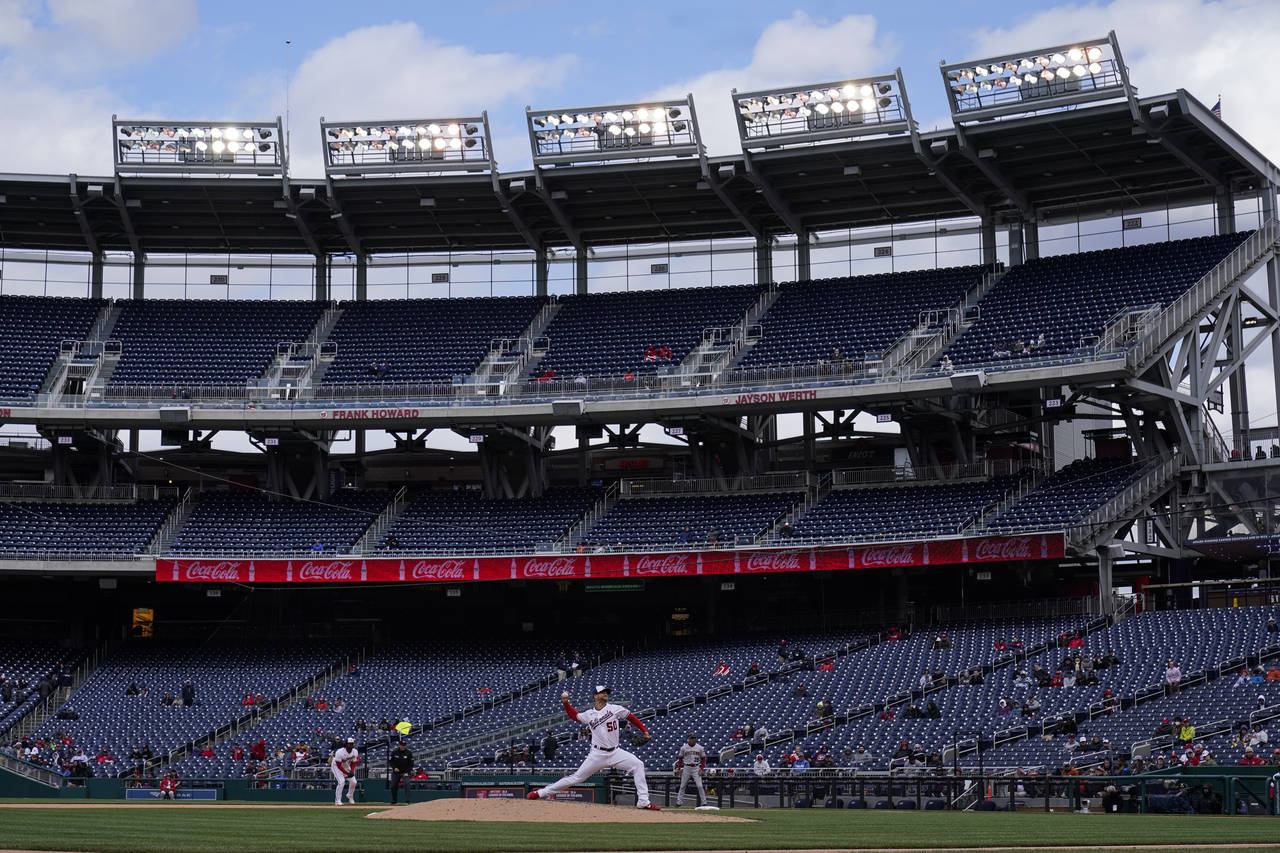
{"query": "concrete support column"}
(1226, 204)
(362, 277)
(322, 278)
(139, 276)
(580, 273)
(1015, 244)
(764, 261)
(1106, 601)
(95, 276)
(804, 265)
(1031, 240)
(540, 272)
(988, 242)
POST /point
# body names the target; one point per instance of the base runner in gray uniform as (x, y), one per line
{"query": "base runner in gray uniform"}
(692, 761)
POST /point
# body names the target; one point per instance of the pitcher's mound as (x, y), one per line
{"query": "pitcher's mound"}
(534, 811)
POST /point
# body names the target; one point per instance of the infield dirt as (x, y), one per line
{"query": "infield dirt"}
(530, 811)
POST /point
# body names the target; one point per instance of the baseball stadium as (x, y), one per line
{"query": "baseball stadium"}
(867, 487)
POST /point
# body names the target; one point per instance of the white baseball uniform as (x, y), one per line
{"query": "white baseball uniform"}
(343, 766)
(692, 760)
(605, 752)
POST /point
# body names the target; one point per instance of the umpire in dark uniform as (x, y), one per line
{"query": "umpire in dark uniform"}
(401, 764)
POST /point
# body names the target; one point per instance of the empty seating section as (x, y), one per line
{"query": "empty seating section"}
(110, 719)
(1070, 298)
(422, 340)
(437, 681)
(861, 316)
(250, 523)
(205, 342)
(22, 666)
(461, 521)
(31, 329)
(60, 529)
(609, 334)
(1066, 495)
(724, 519)
(900, 511)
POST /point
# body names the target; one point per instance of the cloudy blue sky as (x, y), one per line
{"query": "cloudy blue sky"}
(70, 64)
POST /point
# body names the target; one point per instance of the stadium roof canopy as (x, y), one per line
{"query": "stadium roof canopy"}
(1093, 160)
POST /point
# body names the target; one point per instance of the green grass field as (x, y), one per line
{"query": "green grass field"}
(221, 829)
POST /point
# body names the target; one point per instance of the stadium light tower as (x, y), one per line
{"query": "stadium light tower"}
(841, 109)
(639, 131)
(406, 145)
(1021, 82)
(218, 147)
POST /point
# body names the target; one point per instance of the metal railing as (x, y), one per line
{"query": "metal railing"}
(34, 772)
(87, 494)
(1152, 479)
(1188, 306)
(380, 525)
(177, 517)
(782, 481)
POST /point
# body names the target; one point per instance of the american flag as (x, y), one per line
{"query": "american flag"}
(1217, 108)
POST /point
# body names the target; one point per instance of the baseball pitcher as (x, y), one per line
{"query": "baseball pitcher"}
(691, 761)
(604, 720)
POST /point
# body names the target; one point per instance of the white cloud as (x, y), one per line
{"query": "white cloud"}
(796, 50)
(394, 71)
(137, 28)
(1207, 48)
(48, 69)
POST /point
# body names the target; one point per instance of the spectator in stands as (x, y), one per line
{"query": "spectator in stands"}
(1076, 641)
(826, 665)
(1031, 707)
(1262, 702)
(1272, 627)
(546, 375)
(754, 669)
(1004, 708)
(1172, 678)
(940, 642)
(131, 690)
(946, 365)
(1022, 679)
(999, 645)
(932, 711)
(322, 704)
(68, 713)
(893, 635)
(1041, 676)
(1186, 731)
(800, 764)
(914, 712)
(317, 547)
(800, 692)
(1056, 680)
(722, 668)
(651, 354)
(549, 746)
(384, 369)
(208, 752)
(926, 679)
(665, 353)
(887, 714)
(760, 766)
(248, 699)
(1250, 758)
(1165, 728)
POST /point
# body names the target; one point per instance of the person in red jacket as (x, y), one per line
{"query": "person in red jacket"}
(169, 786)
(237, 752)
(1250, 759)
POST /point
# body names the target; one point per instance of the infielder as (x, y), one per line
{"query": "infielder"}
(343, 766)
(692, 761)
(604, 721)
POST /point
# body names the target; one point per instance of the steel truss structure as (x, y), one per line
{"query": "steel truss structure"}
(1157, 371)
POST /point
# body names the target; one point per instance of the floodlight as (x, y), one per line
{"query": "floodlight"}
(198, 146)
(406, 146)
(618, 131)
(1051, 78)
(844, 109)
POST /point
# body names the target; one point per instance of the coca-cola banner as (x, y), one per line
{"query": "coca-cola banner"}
(986, 549)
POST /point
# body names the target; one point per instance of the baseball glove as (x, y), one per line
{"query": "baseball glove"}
(639, 739)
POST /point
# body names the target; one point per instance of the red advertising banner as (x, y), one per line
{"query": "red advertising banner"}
(945, 552)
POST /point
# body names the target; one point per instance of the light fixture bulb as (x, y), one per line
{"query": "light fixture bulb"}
(1094, 53)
